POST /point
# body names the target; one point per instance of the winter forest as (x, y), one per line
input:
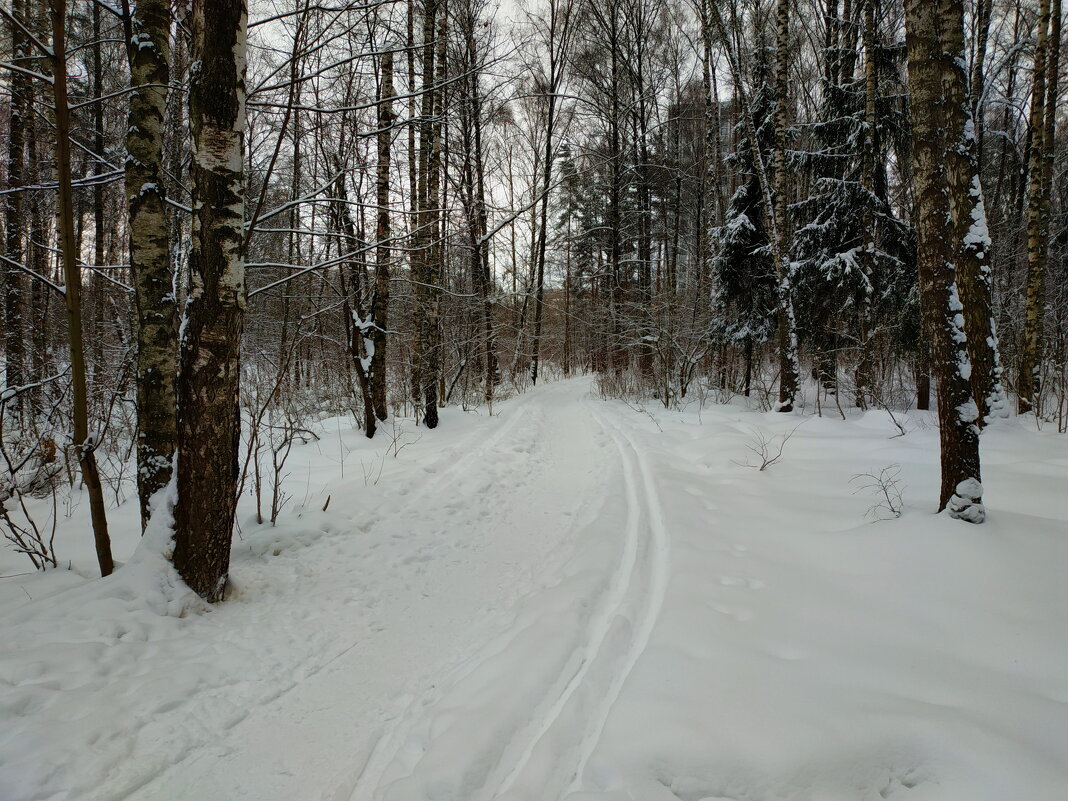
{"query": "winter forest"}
(602, 400)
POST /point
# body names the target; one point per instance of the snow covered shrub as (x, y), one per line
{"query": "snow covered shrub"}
(967, 502)
(767, 448)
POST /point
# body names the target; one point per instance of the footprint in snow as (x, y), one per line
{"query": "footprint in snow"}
(741, 615)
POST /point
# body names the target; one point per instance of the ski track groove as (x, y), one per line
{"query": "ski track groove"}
(638, 585)
(397, 729)
(659, 563)
(612, 604)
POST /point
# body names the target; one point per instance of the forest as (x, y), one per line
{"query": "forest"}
(481, 347)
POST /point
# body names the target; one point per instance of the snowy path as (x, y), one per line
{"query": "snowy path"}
(478, 533)
(571, 601)
(568, 684)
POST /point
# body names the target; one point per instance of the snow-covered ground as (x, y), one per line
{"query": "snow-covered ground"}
(571, 598)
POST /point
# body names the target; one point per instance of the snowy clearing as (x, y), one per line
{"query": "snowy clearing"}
(569, 599)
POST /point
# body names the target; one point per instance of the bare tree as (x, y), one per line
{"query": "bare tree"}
(149, 54)
(1040, 172)
(939, 114)
(85, 440)
(556, 38)
(10, 269)
(209, 413)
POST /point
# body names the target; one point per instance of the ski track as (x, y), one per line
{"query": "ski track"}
(364, 785)
(637, 590)
(615, 639)
(658, 542)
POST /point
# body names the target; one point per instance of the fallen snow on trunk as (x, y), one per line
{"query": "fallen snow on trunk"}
(568, 600)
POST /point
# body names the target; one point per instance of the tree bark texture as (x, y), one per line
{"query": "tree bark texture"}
(209, 420)
(150, 254)
(13, 281)
(936, 84)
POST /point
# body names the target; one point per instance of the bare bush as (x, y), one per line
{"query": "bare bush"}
(887, 488)
(768, 449)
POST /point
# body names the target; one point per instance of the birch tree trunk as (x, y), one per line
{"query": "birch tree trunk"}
(1040, 175)
(936, 82)
(209, 421)
(150, 255)
(972, 236)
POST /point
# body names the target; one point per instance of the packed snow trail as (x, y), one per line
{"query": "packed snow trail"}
(569, 601)
(568, 683)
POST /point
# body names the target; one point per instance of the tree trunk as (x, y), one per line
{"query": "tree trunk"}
(85, 441)
(13, 282)
(557, 35)
(95, 169)
(789, 368)
(427, 253)
(1040, 173)
(414, 203)
(209, 421)
(380, 300)
(869, 149)
(150, 255)
(936, 82)
(973, 259)
(359, 325)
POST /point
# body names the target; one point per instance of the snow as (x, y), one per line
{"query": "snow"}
(569, 599)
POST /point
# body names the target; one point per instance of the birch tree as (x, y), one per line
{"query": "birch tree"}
(937, 84)
(1040, 175)
(972, 235)
(209, 413)
(148, 49)
(789, 365)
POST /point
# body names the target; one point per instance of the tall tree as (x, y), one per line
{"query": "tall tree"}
(939, 116)
(209, 421)
(789, 366)
(556, 38)
(427, 247)
(746, 289)
(972, 235)
(380, 299)
(148, 50)
(85, 440)
(469, 21)
(13, 283)
(1040, 174)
